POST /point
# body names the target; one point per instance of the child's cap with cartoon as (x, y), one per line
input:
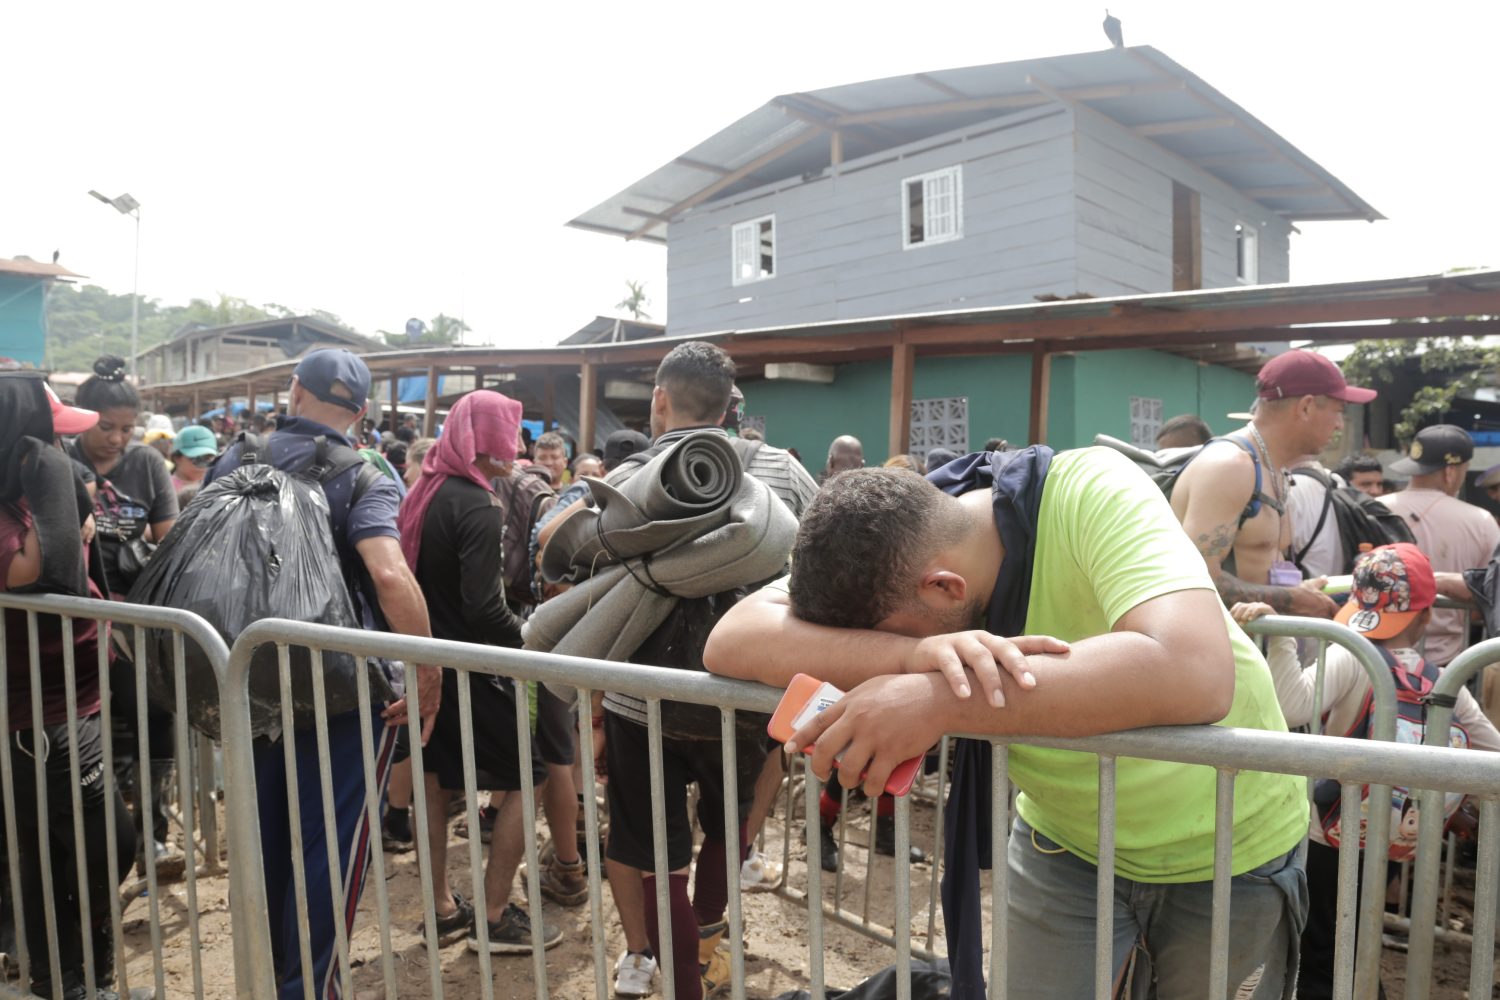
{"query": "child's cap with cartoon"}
(1392, 585)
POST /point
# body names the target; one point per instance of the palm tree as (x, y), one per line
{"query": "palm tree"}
(635, 303)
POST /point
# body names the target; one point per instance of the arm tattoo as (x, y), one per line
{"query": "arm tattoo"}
(1215, 546)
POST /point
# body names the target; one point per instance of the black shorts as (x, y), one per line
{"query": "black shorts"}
(627, 750)
(555, 722)
(497, 758)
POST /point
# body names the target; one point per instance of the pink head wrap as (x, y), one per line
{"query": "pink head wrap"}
(481, 423)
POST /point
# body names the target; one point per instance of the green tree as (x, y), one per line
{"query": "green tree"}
(440, 331)
(1421, 377)
(636, 302)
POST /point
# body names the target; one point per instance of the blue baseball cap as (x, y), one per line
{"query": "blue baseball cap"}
(319, 370)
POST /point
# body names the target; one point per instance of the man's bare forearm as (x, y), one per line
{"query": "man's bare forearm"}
(761, 640)
(1236, 591)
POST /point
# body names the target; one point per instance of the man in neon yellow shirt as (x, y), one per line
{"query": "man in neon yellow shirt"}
(901, 592)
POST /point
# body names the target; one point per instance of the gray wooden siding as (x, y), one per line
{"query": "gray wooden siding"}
(1124, 216)
(838, 236)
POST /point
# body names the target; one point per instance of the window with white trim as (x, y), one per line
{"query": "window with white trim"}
(939, 423)
(1246, 253)
(932, 208)
(754, 245)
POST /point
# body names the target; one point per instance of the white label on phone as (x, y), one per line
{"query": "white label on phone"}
(825, 696)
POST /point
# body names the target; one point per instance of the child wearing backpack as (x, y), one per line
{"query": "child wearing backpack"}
(1390, 604)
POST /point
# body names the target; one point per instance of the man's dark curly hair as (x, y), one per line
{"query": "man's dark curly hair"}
(698, 378)
(862, 542)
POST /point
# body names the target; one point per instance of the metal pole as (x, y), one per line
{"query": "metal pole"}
(135, 301)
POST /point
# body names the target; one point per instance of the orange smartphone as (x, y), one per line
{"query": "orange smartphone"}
(805, 697)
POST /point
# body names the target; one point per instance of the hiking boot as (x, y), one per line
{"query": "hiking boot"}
(395, 831)
(710, 936)
(633, 974)
(565, 883)
(830, 847)
(461, 918)
(512, 933)
(885, 840)
(715, 974)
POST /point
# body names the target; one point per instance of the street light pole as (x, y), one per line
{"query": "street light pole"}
(126, 205)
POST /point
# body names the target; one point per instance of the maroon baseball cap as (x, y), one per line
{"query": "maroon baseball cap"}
(1303, 373)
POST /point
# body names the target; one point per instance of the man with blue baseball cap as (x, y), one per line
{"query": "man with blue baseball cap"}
(328, 394)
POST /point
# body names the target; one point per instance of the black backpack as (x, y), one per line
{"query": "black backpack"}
(1363, 521)
(525, 498)
(257, 543)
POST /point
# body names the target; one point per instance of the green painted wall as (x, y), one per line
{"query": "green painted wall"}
(1090, 394)
(23, 318)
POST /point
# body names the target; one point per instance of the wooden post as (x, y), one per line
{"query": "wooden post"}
(903, 361)
(197, 408)
(250, 400)
(1041, 389)
(549, 399)
(395, 401)
(835, 147)
(588, 387)
(429, 420)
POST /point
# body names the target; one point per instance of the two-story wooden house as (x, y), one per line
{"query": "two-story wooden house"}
(1102, 174)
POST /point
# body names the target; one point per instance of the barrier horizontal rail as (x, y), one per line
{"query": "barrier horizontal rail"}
(1352, 763)
(194, 774)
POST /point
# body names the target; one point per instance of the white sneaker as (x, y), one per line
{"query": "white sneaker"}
(633, 975)
(759, 874)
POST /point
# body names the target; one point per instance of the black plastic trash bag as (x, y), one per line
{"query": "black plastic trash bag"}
(928, 982)
(253, 544)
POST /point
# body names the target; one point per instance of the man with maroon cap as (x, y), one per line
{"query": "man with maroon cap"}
(1232, 500)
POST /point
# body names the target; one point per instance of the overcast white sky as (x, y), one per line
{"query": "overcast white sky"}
(383, 161)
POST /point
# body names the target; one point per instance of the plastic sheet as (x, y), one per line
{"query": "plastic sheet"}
(253, 544)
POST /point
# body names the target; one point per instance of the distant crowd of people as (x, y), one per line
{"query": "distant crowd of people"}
(1011, 590)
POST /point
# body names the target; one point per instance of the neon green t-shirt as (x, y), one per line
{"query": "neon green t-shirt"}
(1107, 540)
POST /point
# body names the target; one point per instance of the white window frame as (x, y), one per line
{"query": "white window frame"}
(1247, 253)
(751, 230)
(929, 180)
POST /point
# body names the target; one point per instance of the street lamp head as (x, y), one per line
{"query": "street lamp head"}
(124, 204)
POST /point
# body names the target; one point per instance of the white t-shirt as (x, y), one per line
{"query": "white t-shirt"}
(1454, 536)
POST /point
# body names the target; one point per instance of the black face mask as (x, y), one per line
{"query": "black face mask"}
(24, 412)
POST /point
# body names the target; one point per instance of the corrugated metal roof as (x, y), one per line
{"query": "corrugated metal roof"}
(1138, 87)
(35, 268)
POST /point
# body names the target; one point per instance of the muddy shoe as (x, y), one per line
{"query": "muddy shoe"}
(462, 918)
(395, 831)
(565, 883)
(633, 975)
(885, 840)
(512, 933)
(715, 975)
(830, 847)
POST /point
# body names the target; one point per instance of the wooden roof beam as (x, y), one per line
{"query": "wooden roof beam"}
(770, 156)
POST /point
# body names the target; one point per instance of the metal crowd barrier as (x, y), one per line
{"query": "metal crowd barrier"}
(1353, 763)
(196, 807)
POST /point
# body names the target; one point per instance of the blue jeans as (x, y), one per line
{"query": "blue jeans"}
(1160, 930)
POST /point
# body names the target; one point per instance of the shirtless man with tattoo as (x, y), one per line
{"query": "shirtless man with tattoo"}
(1231, 499)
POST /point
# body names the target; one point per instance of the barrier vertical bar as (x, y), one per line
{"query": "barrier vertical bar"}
(729, 758)
(659, 849)
(901, 865)
(1372, 917)
(1218, 948)
(331, 838)
(1348, 887)
(1000, 867)
(1420, 934)
(185, 794)
(810, 789)
(372, 819)
(869, 853)
(1486, 883)
(207, 799)
(75, 784)
(143, 803)
(591, 832)
(937, 843)
(111, 849)
(44, 848)
(23, 954)
(471, 816)
(294, 816)
(533, 866)
(1315, 725)
(1104, 898)
(424, 851)
(838, 873)
(1450, 853)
